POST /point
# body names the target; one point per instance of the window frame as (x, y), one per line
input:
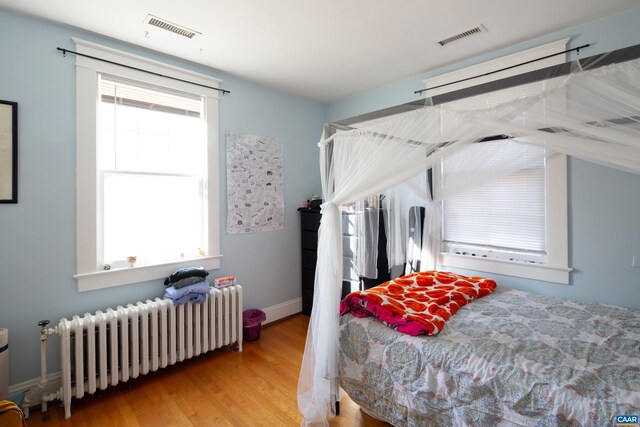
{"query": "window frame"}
(556, 268)
(89, 274)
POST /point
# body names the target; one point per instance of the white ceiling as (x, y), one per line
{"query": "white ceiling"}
(324, 50)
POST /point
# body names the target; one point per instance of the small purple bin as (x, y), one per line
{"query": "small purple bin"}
(251, 323)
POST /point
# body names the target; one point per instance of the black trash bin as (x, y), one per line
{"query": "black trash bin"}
(251, 323)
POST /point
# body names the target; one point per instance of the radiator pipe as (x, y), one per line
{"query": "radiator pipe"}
(44, 333)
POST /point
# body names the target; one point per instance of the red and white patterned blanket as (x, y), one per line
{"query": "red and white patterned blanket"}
(419, 303)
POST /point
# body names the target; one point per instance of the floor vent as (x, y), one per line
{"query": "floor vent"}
(463, 35)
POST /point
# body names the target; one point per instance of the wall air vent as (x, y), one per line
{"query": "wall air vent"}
(463, 35)
(169, 26)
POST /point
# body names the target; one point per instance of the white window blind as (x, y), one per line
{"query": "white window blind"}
(505, 214)
(152, 173)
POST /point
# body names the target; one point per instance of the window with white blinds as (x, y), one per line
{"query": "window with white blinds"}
(513, 224)
(503, 218)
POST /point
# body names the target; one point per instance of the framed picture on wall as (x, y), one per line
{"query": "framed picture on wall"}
(8, 152)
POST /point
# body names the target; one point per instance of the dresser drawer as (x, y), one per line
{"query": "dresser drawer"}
(307, 300)
(309, 240)
(308, 278)
(309, 259)
(310, 220)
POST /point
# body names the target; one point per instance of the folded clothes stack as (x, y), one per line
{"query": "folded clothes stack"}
(187, 284)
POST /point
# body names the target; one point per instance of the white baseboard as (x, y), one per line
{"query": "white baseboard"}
(274, 313)
(282, 310)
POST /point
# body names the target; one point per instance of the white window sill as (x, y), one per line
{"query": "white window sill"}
(544, 272)
(124, 276)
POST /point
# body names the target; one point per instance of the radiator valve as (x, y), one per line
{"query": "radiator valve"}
(43, 329)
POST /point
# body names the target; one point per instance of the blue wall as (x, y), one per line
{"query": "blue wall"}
(604, 204)
(38, 235)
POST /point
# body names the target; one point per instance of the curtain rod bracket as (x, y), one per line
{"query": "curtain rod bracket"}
(64, 54)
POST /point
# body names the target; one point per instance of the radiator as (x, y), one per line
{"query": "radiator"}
(103, 349)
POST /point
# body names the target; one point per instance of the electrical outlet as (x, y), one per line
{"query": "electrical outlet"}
(635, 262)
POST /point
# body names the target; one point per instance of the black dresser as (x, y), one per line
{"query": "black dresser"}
(310, 222)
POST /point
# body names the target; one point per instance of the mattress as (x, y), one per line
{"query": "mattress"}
(509, 359)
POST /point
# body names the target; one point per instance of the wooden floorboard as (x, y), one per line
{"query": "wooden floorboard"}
(222, 388)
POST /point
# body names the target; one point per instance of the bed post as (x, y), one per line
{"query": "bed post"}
(335, 395)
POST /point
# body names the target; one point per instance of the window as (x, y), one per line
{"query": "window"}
(151, 174)
(503, 218)
(147, 165)
(514, 224)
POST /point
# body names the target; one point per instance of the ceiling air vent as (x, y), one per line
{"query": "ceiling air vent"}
(166, 25)
(463, 35)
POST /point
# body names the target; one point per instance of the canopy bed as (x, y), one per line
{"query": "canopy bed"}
(458, 376)
(509, 359)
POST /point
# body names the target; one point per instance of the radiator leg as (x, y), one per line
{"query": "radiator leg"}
(43, 405)
(45, 398)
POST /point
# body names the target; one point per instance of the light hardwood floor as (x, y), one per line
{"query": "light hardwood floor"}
(223, 388)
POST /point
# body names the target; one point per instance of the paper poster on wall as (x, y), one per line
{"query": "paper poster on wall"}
(255, 183)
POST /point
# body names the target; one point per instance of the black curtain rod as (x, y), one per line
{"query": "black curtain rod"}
(65, 51)
(577, 49)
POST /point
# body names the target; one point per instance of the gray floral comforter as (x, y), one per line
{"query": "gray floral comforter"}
(511, 358)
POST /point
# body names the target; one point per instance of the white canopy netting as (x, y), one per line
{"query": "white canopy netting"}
(592, 114)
